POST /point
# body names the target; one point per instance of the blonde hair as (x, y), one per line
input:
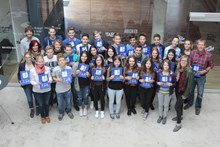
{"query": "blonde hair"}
(39, 57)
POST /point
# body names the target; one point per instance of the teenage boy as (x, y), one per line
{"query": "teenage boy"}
(132, 44)
(84, 46)
(143, 43)
(156, 43)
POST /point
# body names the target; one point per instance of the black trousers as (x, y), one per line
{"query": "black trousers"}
(130, 96)
(53, 95)
(98, 94)
(179, 106)
(146, 97)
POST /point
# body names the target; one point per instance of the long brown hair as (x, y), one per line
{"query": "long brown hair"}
(158, 56)
(144, 69)
(127, 66)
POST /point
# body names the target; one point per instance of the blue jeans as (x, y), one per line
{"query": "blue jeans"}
(61, 97)
(82, 96)
(43, 100)
(29, 94)
(200, 83)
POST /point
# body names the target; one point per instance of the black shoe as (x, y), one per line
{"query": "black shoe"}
(175, 118)
(152, 107)
(76, 107)
(187, 106)
(37, 111)
(133, 111)
(129, 112)
(32, 113)
(197, 111)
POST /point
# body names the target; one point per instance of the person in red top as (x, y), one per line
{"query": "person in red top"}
(202, 63)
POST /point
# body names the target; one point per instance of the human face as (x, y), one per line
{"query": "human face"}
(40, 62)
(154, 54)
(97, 36)
(27, 58)
(99, 61)
(131, 62)
(68, 50)
(49, 53)
(201, 46)
(84, 58)
(175, 42)
(117, 63)
(35, 47)
(71, 34)
(137, 51)
(183, 62)
(156, 40)
(29, 34)
(57, 46)
(165, 66)
(142, 40)
(170, 56)
(93, 51)
(117, 40)
(133, 41)
(148, 64)
(187, 45)
(62, 62)
(110, 53)
(52, 33)
(85, 40)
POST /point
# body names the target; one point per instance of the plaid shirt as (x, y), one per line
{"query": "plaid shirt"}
(205, 59)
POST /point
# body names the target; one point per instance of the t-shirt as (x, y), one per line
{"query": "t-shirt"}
(61, 87)
(51, 62)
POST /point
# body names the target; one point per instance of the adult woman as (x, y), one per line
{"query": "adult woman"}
(24, 68)
(35, 48)
(183, 87)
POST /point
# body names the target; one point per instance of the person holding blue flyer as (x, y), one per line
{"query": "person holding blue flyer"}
(40, 78)
(24, 79)
(158, 45)
(62, 74)
(115, 80)
(82, 82)
(111, 53)
(84, 46)
(166, 81)
(202, 63)
(143, 43)
(98, 85)
(131, 74)
(132, 44)
(147, 79)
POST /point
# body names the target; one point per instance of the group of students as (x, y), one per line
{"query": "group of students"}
(73, 70)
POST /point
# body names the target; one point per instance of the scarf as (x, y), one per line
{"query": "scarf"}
(182, 80)
(40, 70)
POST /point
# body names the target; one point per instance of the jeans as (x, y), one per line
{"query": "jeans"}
(64, 97)
(163, 102)
(200, 83)
(179, 106)
(83, 96)
(146, 97)
(43, 100)
(130, 96)
(98, 94)
(29, 94)
(112, 94)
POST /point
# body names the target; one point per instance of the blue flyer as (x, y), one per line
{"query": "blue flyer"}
(97, 73)
(133, 80)
(146, 83)
(66, 75)
(146, 50)
(44, 81)
(99, 44)
(25, 77)
(195, 69)
(165, 79)
(84, 68)
(117, 72)
(122, 50)
(83, 48)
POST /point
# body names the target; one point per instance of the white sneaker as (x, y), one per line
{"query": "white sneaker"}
(102, 114)
(91, 104)
(96, 114)
(85, 111)
(80, 112)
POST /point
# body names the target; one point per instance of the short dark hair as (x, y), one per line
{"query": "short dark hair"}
(29, 28)
(85, 35)
(156, 35)
(132, 36)
(71, 28)
(143, 34)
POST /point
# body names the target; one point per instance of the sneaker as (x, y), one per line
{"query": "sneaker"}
(60, 117)
(76, 107)
(117, 116)
(112, 116)
(32, 113)
(152, 107)
(175, 118)
(164, 120)
(187, 106)
(145, 115)
(96, 114)
(197, 111)
(159, 119)
(43, 120)
(70, 114)
(80, 112)
(102, 114)
(177, 128)
(48, 119)
(129, 112)
(37, 111)
(91, 105)
(134, 111)
(85, 111)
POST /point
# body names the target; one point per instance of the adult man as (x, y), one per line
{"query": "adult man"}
(140, 56)
(202, 63)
